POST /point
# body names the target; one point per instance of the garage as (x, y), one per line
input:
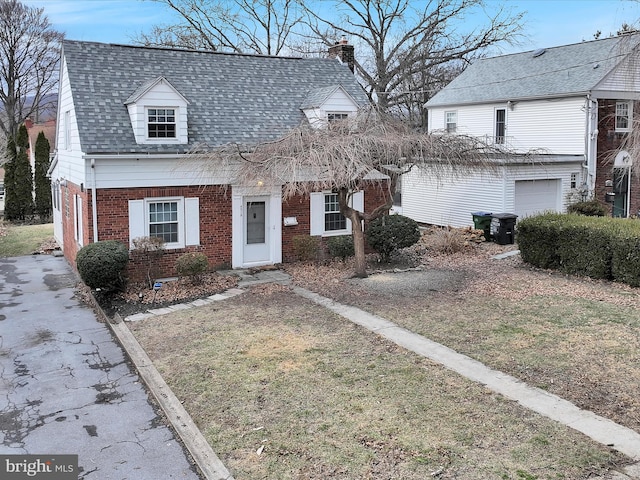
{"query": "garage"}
(537, 196)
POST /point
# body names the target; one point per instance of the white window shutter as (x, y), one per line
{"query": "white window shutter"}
(192, 221)
(136, 220)
(317, 213)
(357, 201)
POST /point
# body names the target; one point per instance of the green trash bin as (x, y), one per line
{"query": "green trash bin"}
(482, 221)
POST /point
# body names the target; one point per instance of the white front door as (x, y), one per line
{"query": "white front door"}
(256, 226)
(256, 243)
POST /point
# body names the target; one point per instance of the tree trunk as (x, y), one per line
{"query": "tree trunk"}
(357, 232)
(358, 244)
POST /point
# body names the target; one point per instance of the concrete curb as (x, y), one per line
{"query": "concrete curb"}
(204, 456)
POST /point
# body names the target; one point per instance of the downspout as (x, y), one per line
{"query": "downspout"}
(591, 144)
(94, 199)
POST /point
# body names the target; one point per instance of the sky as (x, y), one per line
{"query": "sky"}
(548, 23)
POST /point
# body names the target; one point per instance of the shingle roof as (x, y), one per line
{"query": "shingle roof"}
(315, 98)
(557, 71)
(232, 98)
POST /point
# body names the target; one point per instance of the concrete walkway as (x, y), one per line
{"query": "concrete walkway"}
(598, 428)
(66, 386)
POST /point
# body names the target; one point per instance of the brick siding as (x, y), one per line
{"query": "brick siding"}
(215, 222)
(609, 141)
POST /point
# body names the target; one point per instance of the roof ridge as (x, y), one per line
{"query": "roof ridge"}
(187, 50)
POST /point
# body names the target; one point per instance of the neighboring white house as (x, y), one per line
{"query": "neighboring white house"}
(571, 104)
(129, 116)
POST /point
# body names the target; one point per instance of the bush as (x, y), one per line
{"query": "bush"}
(591, 208)
(607, 248)
(306, 248)
(341, 246)
(192, 264)
(101, 265)
(148, 250)
(389, 233)
(447, 241)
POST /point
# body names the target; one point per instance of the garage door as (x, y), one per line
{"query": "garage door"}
(537, 196)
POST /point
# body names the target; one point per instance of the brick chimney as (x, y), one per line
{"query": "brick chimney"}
(345, 52)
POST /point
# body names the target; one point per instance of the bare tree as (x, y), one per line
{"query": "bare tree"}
(367, 151)
(240, 26)
(29, 55)
(396, 40)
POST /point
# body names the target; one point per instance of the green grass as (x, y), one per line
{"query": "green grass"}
(24, 239)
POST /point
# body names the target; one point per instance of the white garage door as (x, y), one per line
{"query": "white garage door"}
(537, 196)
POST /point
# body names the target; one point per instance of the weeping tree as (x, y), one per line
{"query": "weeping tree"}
(369, 150)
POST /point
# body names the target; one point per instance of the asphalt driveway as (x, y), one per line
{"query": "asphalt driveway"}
(65, 387)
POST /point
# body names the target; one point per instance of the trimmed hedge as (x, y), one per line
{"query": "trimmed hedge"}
(101, 264)
(597, 247)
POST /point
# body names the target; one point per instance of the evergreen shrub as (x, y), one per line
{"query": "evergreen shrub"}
(341, 246)
(101, 265)
(390, 233)
(597, 247)
(591, 208)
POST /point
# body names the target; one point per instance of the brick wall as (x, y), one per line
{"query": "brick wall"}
(68, 195)
(609, 141)
(299, 207)
(215, 224)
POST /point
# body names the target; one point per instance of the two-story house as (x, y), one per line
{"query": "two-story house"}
(129, 118)
(567, 107)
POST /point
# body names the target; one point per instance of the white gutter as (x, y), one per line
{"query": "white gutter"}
(94, 200)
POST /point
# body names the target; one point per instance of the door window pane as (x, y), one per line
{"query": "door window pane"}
(256, 222)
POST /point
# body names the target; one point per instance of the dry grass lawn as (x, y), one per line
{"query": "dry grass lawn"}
(284, 389)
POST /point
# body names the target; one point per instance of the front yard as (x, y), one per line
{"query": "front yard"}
(284, 389)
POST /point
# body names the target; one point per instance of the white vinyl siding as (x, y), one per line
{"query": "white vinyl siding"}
(69, 152)
(143, 214)
(450, 201)
(151, 172)
(318, 211)
(557, 126)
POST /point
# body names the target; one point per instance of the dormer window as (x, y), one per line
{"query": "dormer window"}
(158, 113)
(336, 117)
(161, 123)
(328, 105)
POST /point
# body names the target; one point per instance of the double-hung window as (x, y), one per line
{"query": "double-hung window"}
(451, 121)
(176, 220)
(333, 219)
(161, 122)
(623, 116)
(501, 121)
(163, 221)
(326, 219)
